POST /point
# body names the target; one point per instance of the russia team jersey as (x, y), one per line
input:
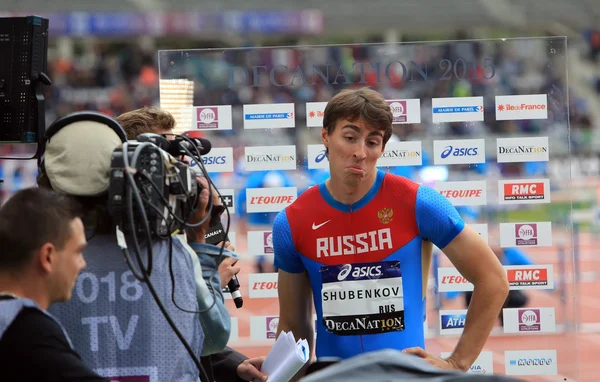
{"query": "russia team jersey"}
(368, 263)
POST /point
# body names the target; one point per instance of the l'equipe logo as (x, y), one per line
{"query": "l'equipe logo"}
(469, 193)
(465, 151)
(262, 285)
(450, 280)
(269, 199)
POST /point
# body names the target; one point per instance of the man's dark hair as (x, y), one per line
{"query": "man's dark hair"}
(29, 219)
(355, 104)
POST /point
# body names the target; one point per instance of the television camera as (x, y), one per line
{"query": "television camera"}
(147, 174)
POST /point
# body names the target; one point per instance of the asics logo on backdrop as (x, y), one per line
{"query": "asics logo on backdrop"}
(320, 156)
(458, 151)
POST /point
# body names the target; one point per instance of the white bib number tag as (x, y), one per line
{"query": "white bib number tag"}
(365, 298)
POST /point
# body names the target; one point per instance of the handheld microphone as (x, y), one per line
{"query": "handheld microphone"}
(234, 289)
(215, 235)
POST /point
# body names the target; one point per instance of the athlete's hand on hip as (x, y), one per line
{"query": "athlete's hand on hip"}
(440, 363)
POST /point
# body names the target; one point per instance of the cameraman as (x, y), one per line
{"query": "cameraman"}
(114, 322)
(226, 365)
(152, 119)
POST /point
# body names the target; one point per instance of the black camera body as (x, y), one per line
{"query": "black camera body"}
(167, 187)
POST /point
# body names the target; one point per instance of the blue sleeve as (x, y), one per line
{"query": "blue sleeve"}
(286, 256)
(240, 205)
(437, 219)
(514, 256)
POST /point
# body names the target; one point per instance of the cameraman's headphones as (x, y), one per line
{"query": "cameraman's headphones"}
(79, 116)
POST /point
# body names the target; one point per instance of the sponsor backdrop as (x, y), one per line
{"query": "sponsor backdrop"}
(442, 110)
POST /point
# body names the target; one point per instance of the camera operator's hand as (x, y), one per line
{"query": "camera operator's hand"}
(196, 234)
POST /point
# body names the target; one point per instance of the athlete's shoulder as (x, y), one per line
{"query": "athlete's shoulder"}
(401, 181)
(306, 201)
(402, 189)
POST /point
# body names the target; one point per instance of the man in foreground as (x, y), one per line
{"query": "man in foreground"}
(360, 245)
(42, 241)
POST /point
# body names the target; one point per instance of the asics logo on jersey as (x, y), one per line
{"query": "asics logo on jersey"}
(344, 272)
(354, 244)
(317, 226)
(359, 271)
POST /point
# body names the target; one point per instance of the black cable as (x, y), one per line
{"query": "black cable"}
(200, 163)
(133, 191)
(171, 213)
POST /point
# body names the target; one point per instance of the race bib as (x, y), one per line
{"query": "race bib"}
(365, 298)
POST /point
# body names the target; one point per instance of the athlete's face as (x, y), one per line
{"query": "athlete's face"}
(354, 148)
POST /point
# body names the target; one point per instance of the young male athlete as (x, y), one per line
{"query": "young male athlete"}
(361, 244)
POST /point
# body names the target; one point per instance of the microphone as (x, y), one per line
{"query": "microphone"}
(234, 289)
(203, 145)
(215, 235)
(156, 139)
(179, 146)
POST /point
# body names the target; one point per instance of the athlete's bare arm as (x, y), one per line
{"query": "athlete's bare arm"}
(475, 260)
(296, 309)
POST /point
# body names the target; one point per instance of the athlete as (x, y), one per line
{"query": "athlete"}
(360, 245)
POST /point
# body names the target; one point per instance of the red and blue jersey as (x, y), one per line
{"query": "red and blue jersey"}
(368, 263)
